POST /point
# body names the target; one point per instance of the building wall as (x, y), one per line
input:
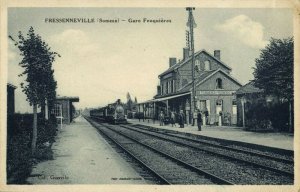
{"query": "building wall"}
(165, 79)
(228, 83)
(212, 99)
(207, 91)
(65, 110)
(214, 65)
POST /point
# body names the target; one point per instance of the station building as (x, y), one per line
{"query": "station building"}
(215, 89)
(63, 109)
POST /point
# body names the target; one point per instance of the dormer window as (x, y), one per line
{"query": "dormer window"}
(206, 65)
(219, 83)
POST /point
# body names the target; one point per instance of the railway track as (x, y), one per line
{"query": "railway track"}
(278, 165)
(279, 155)
(226, 167)
(167, 168)
(231, 169)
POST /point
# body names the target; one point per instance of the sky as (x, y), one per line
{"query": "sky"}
(101, 62)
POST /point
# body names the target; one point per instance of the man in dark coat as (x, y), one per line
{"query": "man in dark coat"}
(161, 118)
(181, 119)
(199, 120)
(206, 116)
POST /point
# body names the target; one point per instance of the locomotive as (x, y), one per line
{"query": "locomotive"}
(112, 113)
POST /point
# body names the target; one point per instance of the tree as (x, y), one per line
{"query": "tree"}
(129, 102)
(274, 71)
(37, 63)
(134, 104)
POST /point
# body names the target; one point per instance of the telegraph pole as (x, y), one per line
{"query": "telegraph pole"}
(191, 24)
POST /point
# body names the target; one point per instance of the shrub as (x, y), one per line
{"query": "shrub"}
(19, 131)
(46, 130)
(280, 116)
(266, 116)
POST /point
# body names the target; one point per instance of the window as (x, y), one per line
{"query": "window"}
(173, 85)
(170, 86)
(162, 89)
(219, 106)
(197, 65)
(206, 65)
(198, 104)
(166, 87)
(56, 110)
(219, 102)
(219, 84)
(234, 107)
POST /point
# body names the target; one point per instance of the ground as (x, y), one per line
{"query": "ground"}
(82, 156)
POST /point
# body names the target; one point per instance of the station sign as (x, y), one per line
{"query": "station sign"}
(215, 92)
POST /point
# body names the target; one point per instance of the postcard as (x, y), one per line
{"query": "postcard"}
(149, 95)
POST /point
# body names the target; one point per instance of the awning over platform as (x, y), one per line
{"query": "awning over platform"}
(72, 99)
(165, 98)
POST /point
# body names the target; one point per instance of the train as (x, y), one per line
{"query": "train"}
(112, 113)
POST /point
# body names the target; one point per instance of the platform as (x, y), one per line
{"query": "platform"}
(83, 156)
(277, 140)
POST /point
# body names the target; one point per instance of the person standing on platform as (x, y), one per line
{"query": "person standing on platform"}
(194, 118)
(161, 118)
(206, 116)
(173, 119)
(181, 119)
(199, 120)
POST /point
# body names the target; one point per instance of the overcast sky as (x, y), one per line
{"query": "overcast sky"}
(102, 62)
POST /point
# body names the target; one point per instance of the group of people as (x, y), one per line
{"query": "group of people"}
(181, 119)
(172, 119)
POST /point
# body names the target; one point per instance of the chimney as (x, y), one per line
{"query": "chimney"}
(217, 54)
(172, 61)
(185, 53)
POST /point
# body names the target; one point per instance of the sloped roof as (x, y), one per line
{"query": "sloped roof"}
(171, 94)
(200, 78)
(177, 65)
(248, 88)
(72, 99)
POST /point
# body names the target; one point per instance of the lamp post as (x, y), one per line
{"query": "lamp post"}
(191, 24)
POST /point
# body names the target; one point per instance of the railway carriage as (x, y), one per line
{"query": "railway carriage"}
(112, 113)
